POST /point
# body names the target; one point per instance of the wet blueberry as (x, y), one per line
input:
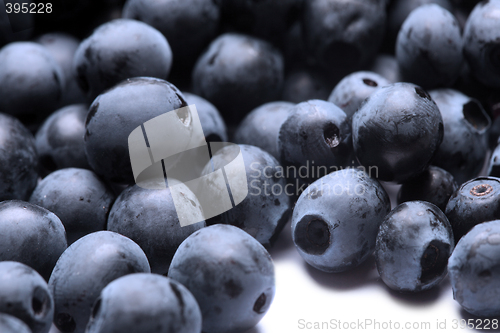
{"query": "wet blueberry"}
(164, 306)
(118, 50)
(32, 235)
(84, 269)
(336, 219)
(413, 246)
(464, 147)
(10, 324)
(434, 185)
(24, 294)
(78, 197)
(476, 201)
(397, 130)
(261, 127)
(229, 273)
(473, 269)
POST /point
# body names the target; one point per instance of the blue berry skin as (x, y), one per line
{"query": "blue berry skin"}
(31, 81)
(387, 66)
(343, 35)
(476, 201)
(317, 136)
(118, 50)
(188, 25)
(115, 114)
(78, 197)
(32, 235)
(261, 127)
(434, 185)
(59, 141)
(353, 89)
(84, 269)
(400, 141)
(464, 147)
(429, 47)
(19, 167)
(211, 121)
(230, 274)
(149, 218)
(494, 164)
(336, 219)
(25, 294)
(10, 324)
(482, 43)
(305, 84)
(267, 207)
(473, 270)
(414, 243)
(238, 73)
(163, 306)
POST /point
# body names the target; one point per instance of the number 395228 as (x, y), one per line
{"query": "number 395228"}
(25, 8)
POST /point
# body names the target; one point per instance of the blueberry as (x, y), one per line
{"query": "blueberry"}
(343, 35)
(429, 47)
(164, 306)
(78, 197)
(31, 81)
(317, 137)
(84, 269)
(266, 208)
(400, 141)
(149, 218)
(476, 201)
(464, 147)
(238, 73)
(118, 50)
(116, 113)
(24, 294)
(482, 42)
(353, 89)
(229, 273)
(387, 66)
(494, 132)
(336, 219)
(32, 235)
(304, 84)
(494, 164)
(19, 167)
(261, 127)
(473, 269)
(434, 185)
(59, 141)
(414, 243)
(10, 324)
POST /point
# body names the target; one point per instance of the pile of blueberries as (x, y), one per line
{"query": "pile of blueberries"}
(329, 101)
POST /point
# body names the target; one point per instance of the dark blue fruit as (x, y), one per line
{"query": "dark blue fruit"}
(229, 273)
(494, 164)
(211, 121)
(78, 197)
(84, 269)
(261, 127)
(336, 219)
(149, 218)
(305, 84)
(59, 141)
(120, 110)
(10, 324)
(434, 185)
(19, 167)
(118, 50)
(400, 141)
(387, 66)
(32, 235)
(24, 294)
(464, 147)
(476, 201)
(164, 306)
(413, 246)
(473, 269)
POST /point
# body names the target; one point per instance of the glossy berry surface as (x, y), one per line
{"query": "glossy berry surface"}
(229, 273)
(336, 219)
(164, 306)
(25, 294)
(473, 270)
(10, 324)
(397, 130)
(214, 127)
(413, 246)
(78, 197)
